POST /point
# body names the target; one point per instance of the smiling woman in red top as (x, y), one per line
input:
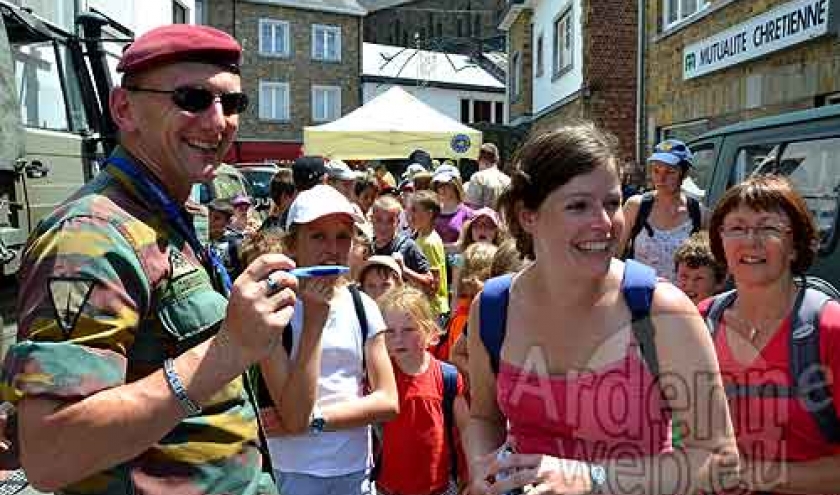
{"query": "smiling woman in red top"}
(763, 231)
(583, 412)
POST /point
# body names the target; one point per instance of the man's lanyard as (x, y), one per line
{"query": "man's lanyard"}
(174, 214)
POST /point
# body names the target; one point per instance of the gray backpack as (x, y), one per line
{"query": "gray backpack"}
(809, 385)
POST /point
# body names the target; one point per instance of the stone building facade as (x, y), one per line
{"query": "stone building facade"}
(520, 78)
(791, 75)
(454, 26)
(292, 83)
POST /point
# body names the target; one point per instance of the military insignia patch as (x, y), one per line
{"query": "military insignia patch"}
(180, 264)
(69, 297)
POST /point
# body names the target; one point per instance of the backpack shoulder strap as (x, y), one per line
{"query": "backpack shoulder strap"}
(637, 286)
(450, 391)
(695, 213)
(359, 306)
(493, 304)
(715, 312)
(645, 207)
(805, 363)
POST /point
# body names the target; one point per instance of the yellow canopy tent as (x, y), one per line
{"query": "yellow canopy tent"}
(392, 125)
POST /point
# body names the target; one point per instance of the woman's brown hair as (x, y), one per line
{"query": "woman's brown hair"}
(769, 193)
(548, 161)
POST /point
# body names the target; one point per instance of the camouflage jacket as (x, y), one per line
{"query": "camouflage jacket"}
(108, 291)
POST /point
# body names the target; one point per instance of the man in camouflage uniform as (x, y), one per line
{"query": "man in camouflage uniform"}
(128, 370)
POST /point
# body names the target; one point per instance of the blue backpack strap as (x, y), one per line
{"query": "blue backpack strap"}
(805, 363)
(493, 304)
(450, 391)
(715, 312)
(637, 286)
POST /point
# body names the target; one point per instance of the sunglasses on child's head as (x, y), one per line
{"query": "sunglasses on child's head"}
(198, 99)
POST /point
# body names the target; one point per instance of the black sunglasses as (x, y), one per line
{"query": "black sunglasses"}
(198, 99)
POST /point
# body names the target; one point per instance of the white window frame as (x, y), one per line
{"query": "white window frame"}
(323, 114)
(563, 43)
(272, 51)
(324, 30)
(267, 112)
(682, 12)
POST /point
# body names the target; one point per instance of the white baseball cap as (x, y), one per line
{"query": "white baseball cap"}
(386, 261)
(412, 170)
(320, 201)
(337, 169)
(446, 170)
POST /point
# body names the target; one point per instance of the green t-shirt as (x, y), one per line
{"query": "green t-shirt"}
(432, 247)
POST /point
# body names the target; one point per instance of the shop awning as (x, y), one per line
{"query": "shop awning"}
(262, 151)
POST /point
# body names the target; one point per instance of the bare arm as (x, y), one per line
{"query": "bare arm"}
(459, 356)
(631, 210)
(422, 280)
(381, 404)
(63, 442)
(461, 411)
(293, 386)
(810, 477)
(486, 431)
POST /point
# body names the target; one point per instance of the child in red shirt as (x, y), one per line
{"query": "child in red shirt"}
(415, 457)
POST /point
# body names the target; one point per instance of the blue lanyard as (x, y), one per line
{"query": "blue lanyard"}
(174, 215)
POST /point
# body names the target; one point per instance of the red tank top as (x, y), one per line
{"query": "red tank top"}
(589, 416)
(778, 429)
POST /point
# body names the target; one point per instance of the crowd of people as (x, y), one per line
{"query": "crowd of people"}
(529, 333)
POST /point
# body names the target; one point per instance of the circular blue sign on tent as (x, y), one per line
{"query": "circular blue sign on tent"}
(461, 143)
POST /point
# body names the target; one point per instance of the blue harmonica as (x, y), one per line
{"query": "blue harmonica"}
(319, 271)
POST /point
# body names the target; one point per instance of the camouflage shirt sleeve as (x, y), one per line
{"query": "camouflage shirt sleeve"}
(82, 294)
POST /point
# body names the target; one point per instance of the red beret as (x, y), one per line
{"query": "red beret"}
(181, 43)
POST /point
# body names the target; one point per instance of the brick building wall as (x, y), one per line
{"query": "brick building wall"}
(520, 39)
(299, 70)
(609, 69)
(444, 25)
(791, 79)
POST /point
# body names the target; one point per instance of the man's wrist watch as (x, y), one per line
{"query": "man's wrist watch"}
(597, 479)
(317, 423)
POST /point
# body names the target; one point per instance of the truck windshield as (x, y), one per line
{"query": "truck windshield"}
(48, 95)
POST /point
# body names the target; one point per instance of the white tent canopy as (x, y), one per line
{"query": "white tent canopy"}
(392, 125)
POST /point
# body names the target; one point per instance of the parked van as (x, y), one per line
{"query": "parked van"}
(803, 145)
